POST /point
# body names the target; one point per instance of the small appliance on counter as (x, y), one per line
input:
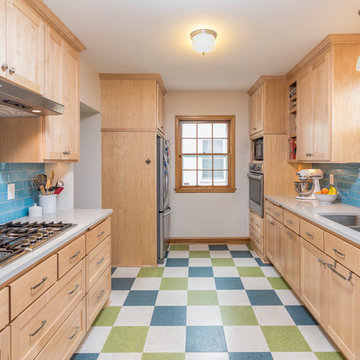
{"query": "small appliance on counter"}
(308, 183)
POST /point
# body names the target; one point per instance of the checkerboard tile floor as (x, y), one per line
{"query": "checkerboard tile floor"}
(207, 302)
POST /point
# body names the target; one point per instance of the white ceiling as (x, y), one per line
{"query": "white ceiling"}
(255, 37)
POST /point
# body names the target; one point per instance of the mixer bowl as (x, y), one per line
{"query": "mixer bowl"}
(303, 187)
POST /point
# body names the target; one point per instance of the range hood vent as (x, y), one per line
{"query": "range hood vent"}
(16, 102)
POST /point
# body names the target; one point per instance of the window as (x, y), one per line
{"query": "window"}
(205, 154)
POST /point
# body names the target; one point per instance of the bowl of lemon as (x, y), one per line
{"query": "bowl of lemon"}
(327, 195)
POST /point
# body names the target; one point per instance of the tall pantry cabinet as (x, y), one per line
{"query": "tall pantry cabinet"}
(132, 117)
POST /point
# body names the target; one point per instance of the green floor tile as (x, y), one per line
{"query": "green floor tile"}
(107, 316)
(151, 272)
(278, 283)
(250, 271)
(179, 247)
(163, 356)
(238, 315)
(222, 262)
(329, 356)
(202, 297)
(199, 254)
(126, 339)
(249, 246)
(174, 284)
(285, 338)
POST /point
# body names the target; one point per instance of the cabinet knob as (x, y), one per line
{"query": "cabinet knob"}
(254, 128)
(148, 161)
(12, 71)
(66, 152)
(4, 67)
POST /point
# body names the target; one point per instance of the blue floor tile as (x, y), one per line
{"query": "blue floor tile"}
(122, 283)
(250, 356)
(241, 254)
(85, 356)
(263, 297)
(113, 269)
(228, 283)
(205, 339)
(259, 261)
(169, 316)
(177, 262)
(201, 271)
(141, 298)
(300, 315)
(218, 247)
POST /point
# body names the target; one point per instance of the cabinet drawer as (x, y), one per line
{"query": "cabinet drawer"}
(5, 344)
(257, 239)
(98, 234)
(4, 307)
(346, 254)
(31, 285)
(71, 255)
(257, 223)
(312, 233)
(65, 341)
(97, 297)
(278, 213)
(292, 221)
(97, 261)
(269, 208)
(39, 322)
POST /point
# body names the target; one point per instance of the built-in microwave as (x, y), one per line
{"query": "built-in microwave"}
(258, 149)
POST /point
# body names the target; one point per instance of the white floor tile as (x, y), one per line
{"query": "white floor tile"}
(254, 254)
(273, 315)
(126, 272)
(197, 247)
(118, 297)
(95, 340)
(256, 283)
(226, 271)
(245, 339)
(245, 262)
(238, 247)
(134, 316)
(178, 254)
(220, 254)
(120, 356)
(287, 297)
(165, 339)
(203, 315)
(233, 297)
(199, 262)
(316, 339)
(293, 356)
(270, 271)
(201, 284)
(171, 298)
(206, 356)
(146, 284)
(176, 272)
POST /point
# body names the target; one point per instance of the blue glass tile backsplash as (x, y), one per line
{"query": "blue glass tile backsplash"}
(347, 180)
(25, 192)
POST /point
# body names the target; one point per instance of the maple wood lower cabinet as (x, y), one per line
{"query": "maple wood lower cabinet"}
(270, 238)
(5, 344)
(292, 260)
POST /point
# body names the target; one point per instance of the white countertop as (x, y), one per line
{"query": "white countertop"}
(310, 209)
(83, 218)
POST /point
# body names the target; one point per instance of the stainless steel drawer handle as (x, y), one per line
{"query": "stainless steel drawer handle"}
(74, 334)
(101, 294)
(289, 234)
(272, 223)
(333, 269)
(257, 225)
(75, 255)
(321, 261)
(12, 71)
(101, 234)
(37, 330)
(289, 222)
(39, 284)
(268, 208)
(276, 213)
(73, 290)
(311, 236)
(338, 252)
(100, 261)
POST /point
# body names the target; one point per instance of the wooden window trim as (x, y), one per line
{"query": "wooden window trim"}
(231, 161)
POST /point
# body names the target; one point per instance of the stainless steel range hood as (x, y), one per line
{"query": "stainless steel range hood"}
(16, 101)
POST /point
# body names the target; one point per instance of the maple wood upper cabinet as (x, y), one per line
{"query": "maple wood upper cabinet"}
(132, 102)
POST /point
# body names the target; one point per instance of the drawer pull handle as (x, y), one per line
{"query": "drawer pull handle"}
(321, 261)
(101, 234)
(333, 269)
(75, 255)
(39, 284)
(74, 334)
(338, 252)
(257, 225)
(311, 236)
(289, 234)
(272, 223)
(37, 330)
(268, 208)
(73, 290)
(276, 213)
(101, 294)
(289, 222)
(101, 260)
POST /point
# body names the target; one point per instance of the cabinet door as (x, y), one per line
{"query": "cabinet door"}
(292, 264)
(305, 115)
(313, 280)
(270, 238)
(2, 38)
(280, 246)
(343, 310)
(260, 109)
(252, 124)
(321, 108)
(25, 45)
(160, 119)
(5, 344)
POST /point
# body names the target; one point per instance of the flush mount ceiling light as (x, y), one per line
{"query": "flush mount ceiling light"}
(203, 40)
(358, 64)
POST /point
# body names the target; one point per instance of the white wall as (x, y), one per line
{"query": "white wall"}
(210, 214)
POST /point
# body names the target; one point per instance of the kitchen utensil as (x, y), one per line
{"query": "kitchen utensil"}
(59, 183)
(35, 211)
(326, 198)
(58, 190)
(40, 180)
(42, 189)
(48, 203)
(52, 188)
(52, 177)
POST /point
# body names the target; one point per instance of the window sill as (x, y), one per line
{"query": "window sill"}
(205, 190)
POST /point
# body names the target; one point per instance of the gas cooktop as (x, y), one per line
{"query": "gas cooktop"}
(18, 238)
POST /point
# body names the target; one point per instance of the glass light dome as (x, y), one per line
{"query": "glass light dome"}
(203, 40)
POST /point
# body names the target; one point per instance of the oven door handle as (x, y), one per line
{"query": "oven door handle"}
(255, 177)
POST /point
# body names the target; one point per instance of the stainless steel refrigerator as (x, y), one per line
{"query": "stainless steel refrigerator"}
(163, 206)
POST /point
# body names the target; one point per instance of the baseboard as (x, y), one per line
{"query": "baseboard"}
(210, 240)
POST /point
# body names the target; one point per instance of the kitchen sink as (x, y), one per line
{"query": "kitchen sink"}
(351, 221)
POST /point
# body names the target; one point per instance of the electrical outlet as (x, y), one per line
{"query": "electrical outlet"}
(11, 191)
(332, 179)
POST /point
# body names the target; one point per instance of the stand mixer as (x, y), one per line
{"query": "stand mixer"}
(308, 183)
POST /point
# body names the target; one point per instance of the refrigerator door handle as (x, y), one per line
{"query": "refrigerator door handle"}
(167, 211)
